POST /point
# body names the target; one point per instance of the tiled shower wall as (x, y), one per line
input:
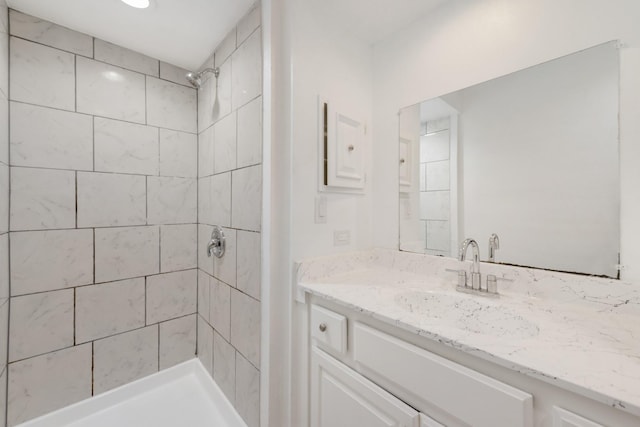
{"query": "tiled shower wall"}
(435, 193)
(229, 195)
(4, 207)
(103, 156)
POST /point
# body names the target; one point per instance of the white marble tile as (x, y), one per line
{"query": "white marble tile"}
(4, 16)
(109, 308)
(247, 401)
(205, 152)
(205, 262)
(41, 75)
(434, 147)
(125, 58)
(225, 268)
(4, 65)
(4, 128)
(125, 147)
(246, 63)
(245, 326)
(249, 23)
(47, 33)
(209, 63)
(248, 263)
(44, 137)
(423, 177)
(206, 104)
(42, 199)
(40, 323)
(221, 200)
(178, 154)
(4, 196)
(173, 74)
(204, 289)
(107, 199)
(126, 252)
(172, 200)
(3, 395)
(4, 267)
(109, 91)
(438, 236)
(45, 383)
(171, 295)
(226, 47)
(222, 92)
(250, 133)
(224, 144)
(178, 250)
(224, 366)
(220, 308)
(123, 358)
(48, 260)
(177, 341)
(434, 205)
(437, 175)
(204, 200)
(4, 335)
(205, 344)
(246, 202)
(172, 106)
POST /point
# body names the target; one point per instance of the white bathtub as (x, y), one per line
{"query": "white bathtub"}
(181, 396)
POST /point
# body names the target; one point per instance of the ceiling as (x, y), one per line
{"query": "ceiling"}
(180, 32)
(185, 32)
(375, 20)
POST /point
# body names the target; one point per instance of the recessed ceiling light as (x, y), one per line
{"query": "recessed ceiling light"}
(139, 4)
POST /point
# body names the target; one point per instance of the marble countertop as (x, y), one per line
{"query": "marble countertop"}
(576, 332)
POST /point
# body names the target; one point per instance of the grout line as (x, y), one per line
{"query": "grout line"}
(93, 364)
(76, 197)
(94, 255)
(75, 83)
(97, 116)
(74, 317)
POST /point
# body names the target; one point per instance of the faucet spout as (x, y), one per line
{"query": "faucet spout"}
(494, 243)
(475, 251)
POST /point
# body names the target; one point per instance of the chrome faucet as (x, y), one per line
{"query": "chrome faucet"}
(475, 268)
(494, 243)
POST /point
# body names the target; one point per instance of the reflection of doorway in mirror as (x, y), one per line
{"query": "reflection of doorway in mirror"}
(435, 185)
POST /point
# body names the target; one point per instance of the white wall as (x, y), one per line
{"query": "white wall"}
(467, 42)
(327, 61)
(540, 155)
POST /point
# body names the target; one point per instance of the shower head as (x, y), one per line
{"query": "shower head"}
(196, 78)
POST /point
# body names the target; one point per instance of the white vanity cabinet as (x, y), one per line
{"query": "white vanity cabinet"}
(340, 397)
(364, 372)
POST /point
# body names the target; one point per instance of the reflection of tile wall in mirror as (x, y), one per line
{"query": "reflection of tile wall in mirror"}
(438, 235)
(515, 180)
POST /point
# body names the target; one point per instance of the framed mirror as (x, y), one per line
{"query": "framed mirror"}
(532, 157)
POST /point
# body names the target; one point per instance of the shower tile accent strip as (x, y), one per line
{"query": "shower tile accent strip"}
(102, 225)
(230, 195)
(4, 208)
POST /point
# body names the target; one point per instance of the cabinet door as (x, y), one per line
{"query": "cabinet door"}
(564, 418)
(340, 397)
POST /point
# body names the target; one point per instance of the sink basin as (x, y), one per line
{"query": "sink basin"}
(472, 314)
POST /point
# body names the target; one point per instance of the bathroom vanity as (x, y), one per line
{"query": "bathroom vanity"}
(391, 343)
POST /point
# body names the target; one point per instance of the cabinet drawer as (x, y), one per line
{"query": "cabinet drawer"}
(329, 329)
(473, 398)
(564, 418)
